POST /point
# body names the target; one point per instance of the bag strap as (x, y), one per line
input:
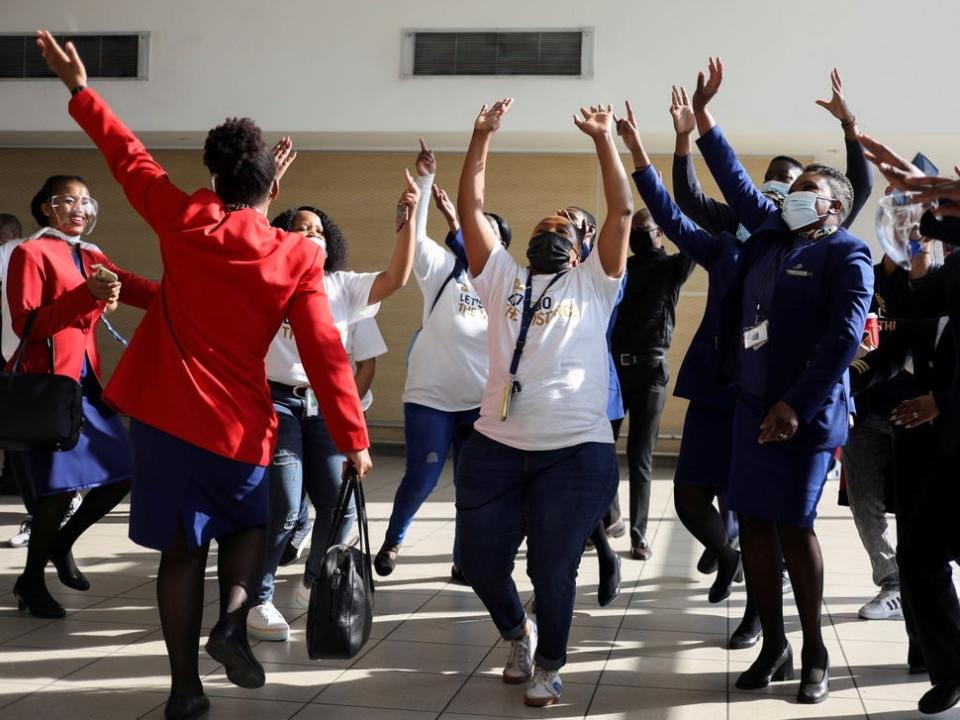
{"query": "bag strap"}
(457, 269)
(340, 515)
(27, 327)
(353, 488)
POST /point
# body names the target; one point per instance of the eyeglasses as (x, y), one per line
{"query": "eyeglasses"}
(69, 202)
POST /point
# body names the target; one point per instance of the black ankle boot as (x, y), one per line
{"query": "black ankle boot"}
(748, 632)
(228, 645)
(729, 569)
(609, 588)
(940, 698)
(67, 569)
(763, 672)
(34, 597)
(814, 682)
(186, 707)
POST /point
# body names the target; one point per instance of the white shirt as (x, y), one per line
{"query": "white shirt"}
(564, 368)
(364, 342)
(448, 362)
(349, 295)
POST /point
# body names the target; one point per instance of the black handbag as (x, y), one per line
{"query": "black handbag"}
(340, 615)
(38, 411)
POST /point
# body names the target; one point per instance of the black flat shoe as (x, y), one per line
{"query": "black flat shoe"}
(747, 634)
(386, 559)
(36, 599)
(67, 570)
(186, 707)
(761, 674)
(939, 698)
(228, 645)
(707, 564)
(726, 575)
(457, 577)
(609, 588)
(814, 683)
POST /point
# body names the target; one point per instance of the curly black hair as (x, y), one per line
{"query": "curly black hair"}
(51, 187)
(506, 234)
(332, 234)
(241, 163)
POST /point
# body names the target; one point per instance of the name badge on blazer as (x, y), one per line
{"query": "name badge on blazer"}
(798, 271)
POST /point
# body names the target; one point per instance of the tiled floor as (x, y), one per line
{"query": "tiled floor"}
(657, 652)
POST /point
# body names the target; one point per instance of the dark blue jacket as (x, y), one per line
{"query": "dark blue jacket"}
(820, 303)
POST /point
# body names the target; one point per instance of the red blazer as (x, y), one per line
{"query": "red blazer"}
(195, 366)
(42, 275)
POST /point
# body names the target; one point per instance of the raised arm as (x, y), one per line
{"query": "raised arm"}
(454, 239)
(751, 207)
(706, 212)
(478, 237)
(697, 243)
(858, 170)
(614, 237)
(144, 182)
(398, 271)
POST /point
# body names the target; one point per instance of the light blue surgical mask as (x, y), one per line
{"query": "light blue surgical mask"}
(775, 187)
(800, 209)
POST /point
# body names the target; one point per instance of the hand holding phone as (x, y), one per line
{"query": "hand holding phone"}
(103, 274)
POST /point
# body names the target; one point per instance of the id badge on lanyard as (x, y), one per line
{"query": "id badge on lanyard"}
(310, 405)
(757, 336)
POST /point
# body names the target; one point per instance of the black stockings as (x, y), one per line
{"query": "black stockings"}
(694, 504)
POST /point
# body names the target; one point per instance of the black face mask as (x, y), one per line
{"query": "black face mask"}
(641, 242)
(549, 252)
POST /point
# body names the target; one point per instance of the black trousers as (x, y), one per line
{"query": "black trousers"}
(925, 554)
(643, 402)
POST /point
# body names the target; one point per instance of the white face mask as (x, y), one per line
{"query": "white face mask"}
(800, 209)
(775, 186)
(319, 241)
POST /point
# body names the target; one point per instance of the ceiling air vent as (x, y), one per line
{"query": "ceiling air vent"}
(105, 55)
(558, 53)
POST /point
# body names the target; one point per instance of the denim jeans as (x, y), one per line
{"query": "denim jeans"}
(305, 460)
(553, 497)
(429, 436)
(866, 458)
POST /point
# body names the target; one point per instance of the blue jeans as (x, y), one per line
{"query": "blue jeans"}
(429, 435)
(305, 460)
(553, 497)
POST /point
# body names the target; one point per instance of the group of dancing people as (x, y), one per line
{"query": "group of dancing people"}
(523, 370)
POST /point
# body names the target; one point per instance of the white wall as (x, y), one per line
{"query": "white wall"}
(328, 70)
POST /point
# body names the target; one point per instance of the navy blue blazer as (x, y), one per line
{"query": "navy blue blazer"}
(821, 298)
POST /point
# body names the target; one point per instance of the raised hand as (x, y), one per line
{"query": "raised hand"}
(836, 105)
(64, 62)
(597, 120)
(681, 111)
(444, 204)
(407, 204)
(627, 129)
(707, 87)
(283, 156)
(898, 171)
(426, 161)
(490, 119)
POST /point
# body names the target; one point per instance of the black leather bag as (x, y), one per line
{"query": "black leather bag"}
(340, 616)
(38, 411)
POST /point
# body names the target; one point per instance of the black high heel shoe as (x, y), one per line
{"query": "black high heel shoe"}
(227, 644)
(760, 675)
(67, 570)
(813, 691)
(609, 588)
(36, 599)
(727, 573)
(186, 707)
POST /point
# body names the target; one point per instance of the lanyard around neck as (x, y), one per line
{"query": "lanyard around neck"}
(526, 318)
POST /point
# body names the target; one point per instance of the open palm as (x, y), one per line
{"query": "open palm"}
(684, 121)
(490, 119)
(597, 120)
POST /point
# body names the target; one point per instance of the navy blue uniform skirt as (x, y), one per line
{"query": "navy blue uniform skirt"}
(780, 482)
(100, 457)
(176, 482)
(705, 447)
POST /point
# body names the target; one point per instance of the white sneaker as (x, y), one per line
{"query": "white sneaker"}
(22, 538)
(544, 688)
(519, 667)
(265, 622)
(302, 597)
(885, 606)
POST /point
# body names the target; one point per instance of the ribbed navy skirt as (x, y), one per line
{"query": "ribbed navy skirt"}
(705, 447)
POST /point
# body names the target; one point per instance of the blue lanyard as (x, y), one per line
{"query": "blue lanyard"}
(78, 261)
(526, 319)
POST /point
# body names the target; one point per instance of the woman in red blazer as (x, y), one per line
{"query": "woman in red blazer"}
(51, 280)
(194, 381)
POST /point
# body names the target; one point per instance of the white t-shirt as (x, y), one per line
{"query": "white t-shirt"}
(364, 342)
(448, 362)
(564, 368)
(349, 295)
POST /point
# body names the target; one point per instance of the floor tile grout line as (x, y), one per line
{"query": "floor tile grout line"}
(846, 661)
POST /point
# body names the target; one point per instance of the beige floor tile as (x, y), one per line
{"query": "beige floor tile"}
(126, 672)
(691, 621)
(296, 683)
(42, 667)
(662, 643)
(906, 710)
(637, 703)
(476, 630)
(392, 655)
(12, 691)
(773, 707)
(492, 697)
(339, 712)
(392, 689)
(70, 633)
(660, 672)
(232, 708)
(63, 701)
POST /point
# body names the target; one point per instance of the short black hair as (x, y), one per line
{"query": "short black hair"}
(332, 234)
(840, 186)
(11, 222)
(591, 220)
(240, 161)
(506, 234)
(788, 160)
(51, 187)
